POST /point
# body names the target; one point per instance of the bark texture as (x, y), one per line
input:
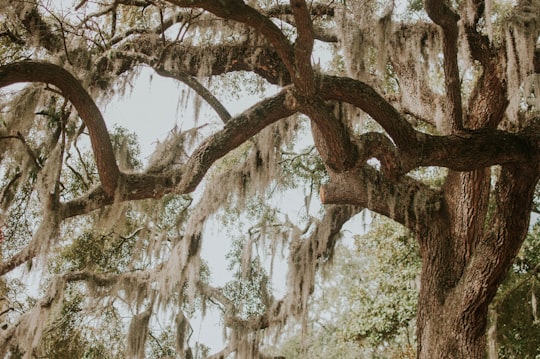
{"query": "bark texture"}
(469, 227)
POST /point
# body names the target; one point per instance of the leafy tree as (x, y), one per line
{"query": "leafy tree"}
(448, 85)
(365, 307)
(514, 326)
(379, 322)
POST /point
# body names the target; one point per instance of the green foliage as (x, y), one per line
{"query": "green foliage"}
(529, 257)
(98, 252)
(64, 338)
(249, 288)
(162, 345)
(303, 167)
(235, 85)
(173, 214)
(517, 317)
(74, 333)
(126, 146)
(415, 5)
(365, 305)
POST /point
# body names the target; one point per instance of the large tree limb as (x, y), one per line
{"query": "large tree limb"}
(33, 71)
(180, 179)
(408, 201)
(364, 97)
(447, 19)
(467, 151)
(184, 178)
(238, 11)
(475, 149)
(330, 134)
(303, 77)
(261, 59)
(235, 132)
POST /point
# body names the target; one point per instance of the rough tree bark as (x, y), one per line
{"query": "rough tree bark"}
(468, 230)
(465, 253)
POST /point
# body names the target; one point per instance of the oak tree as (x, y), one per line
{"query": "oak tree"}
(452, 85)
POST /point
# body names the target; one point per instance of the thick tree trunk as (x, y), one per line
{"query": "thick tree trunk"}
(466, 256)
(447, 332)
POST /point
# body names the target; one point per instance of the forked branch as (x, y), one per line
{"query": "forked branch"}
(184, 178)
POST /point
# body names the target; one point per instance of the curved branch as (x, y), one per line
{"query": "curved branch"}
(363, 96)
(260, 59)
(33, 71)
(377, 145)
(477, 149)
(199, 89)
(238, 11)
(235, 132)
(186, 177)
(466, 151)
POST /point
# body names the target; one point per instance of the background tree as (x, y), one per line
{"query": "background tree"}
(365, 307)
(514, 327)
(449, 85)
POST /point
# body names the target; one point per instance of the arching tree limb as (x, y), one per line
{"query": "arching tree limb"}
(363, 96)
(238, 11)
(35, 71)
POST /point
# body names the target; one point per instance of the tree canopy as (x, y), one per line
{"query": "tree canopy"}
(404, 88)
